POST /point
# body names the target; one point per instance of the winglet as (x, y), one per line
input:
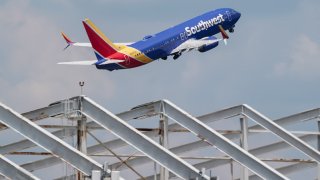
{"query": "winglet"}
(224, 34)
(67, 39)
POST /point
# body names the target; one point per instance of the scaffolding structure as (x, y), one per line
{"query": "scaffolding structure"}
(168, 161)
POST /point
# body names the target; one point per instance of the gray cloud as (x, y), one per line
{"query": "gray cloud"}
(304, 60)
(34, 46)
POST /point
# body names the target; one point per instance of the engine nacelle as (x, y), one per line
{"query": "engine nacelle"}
(208, 47)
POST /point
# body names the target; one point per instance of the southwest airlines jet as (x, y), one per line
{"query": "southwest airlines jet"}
(194, 34)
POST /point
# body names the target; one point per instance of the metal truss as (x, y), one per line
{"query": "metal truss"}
(139, 141)
(213, 137)
(47, 141)
(281, 145)
(13, 171)
(102, 119)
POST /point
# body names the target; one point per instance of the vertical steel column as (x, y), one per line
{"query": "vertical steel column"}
(155, 170)
(163, 138)
(318, 146)
(81, 141)
(244, 143)
(96, 175)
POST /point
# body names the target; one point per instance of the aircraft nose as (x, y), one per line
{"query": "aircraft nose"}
(236, 14)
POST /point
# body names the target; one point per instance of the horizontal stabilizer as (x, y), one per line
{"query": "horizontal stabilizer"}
(85, 44)
(84, 63)
(82, 44)
(91, 62)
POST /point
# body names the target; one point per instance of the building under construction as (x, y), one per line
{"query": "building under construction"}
(77, 138)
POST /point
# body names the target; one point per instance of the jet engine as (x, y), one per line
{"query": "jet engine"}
(209, 45)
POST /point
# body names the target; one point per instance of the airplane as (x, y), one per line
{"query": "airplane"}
(194, 34)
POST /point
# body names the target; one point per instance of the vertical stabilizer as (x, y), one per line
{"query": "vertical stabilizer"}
(100, 43)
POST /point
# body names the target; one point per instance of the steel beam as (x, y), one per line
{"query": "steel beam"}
(318, 147)
(227, 113)
(47, 162)
(53, 110)
(281, 132)
(237, 110)
(298, 117)
(289, 169)
(256, 151)
(144, 111)
(244, 143)
(207, 165)
(164, 141)
(222, 114)
(294, 167)
(212, 117)
(176, 150)
(46, 140)
(81, 141)
(58, 109)
(150, 109)
(202, 144)
(275, 128)
(42, 113)
(139, 141)
(259, 151)
(13, 171)
(25, 144)
(203, 131)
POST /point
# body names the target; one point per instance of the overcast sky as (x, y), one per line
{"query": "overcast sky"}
(271, 61)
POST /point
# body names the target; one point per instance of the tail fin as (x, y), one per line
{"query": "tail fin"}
(100, 43)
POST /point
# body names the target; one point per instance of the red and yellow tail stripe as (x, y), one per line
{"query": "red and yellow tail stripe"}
(106, 48)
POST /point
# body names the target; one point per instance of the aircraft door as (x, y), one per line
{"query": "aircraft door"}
(229, 15)
(127, 59)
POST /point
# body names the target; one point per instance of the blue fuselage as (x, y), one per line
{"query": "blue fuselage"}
(161, 44)
(166, 43)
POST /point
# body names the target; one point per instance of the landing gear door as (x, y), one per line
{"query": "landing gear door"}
(229, 15)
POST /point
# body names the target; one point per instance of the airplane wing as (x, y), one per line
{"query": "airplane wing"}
(224, 34)
(81, 44)
(198, 43)
(92, 62)
(194, 44)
